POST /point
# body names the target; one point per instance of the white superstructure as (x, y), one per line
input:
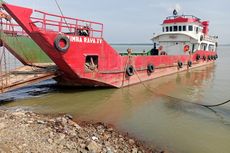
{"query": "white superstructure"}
(184, 34)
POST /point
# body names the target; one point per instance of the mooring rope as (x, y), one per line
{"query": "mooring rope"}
(160, 94)
(215, 105)
(126, 65)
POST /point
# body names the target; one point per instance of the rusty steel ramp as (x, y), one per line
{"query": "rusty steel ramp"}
(25, 75)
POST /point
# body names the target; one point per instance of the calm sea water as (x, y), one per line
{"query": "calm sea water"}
(170, 120)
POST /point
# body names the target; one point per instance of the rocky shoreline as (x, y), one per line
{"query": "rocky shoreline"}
(22, 131)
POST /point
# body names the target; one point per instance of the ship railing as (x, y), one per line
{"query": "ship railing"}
(184, 16)
(12, 29)
(68, 25)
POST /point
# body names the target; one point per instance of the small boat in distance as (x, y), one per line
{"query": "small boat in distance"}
(84, 58)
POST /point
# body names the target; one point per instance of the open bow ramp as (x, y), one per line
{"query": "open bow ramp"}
(25, 75)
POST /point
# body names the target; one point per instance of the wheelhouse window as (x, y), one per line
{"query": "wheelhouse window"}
(167, 29)
(170, 28)
(179, 28)
(175, 28)
(184, 28)
(203, 46)
(163, 29)
(211, 47)
(190, 28)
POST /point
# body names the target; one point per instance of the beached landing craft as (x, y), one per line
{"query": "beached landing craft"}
(84, 58)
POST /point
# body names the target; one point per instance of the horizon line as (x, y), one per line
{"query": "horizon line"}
(150, 44)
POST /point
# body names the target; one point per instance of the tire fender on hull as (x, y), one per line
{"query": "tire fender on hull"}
(204, 58)
(62, 43)
(150, 68)
(180, 64)
(130, 70)
(197, 57)
(189, 63)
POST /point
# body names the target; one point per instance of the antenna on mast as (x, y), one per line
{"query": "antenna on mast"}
(175, 12)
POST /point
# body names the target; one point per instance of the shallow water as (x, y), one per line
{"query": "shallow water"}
(160, 112)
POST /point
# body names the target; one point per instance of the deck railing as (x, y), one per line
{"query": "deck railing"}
(12, 28)
(68, 25)
(184, 16)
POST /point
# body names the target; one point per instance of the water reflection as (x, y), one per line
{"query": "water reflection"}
(159, 111)
(111, 105)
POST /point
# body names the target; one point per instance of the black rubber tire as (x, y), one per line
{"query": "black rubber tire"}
(209, 58)
(197, 57)
(189, 63)
(130, 70)
(214, 57)
(150, 68)
(180, 64)
(57, 43)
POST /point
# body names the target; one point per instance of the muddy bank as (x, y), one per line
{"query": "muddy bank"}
(29, 132)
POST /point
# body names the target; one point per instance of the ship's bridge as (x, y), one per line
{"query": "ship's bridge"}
(184, 24)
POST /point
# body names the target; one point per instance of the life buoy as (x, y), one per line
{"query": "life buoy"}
(204, 58)
(150, 68)
(180, 64)
(186, 48)
(197, 57)
(189, 63)
(62, 43)
(130, 70)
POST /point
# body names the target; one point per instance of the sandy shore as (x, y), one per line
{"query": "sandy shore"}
(29, 132)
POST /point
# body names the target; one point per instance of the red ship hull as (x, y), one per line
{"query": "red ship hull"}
(112, 69)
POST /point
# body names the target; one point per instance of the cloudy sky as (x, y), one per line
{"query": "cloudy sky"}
(134, 21)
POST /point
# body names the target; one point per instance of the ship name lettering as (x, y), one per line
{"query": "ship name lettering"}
(87, 40)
